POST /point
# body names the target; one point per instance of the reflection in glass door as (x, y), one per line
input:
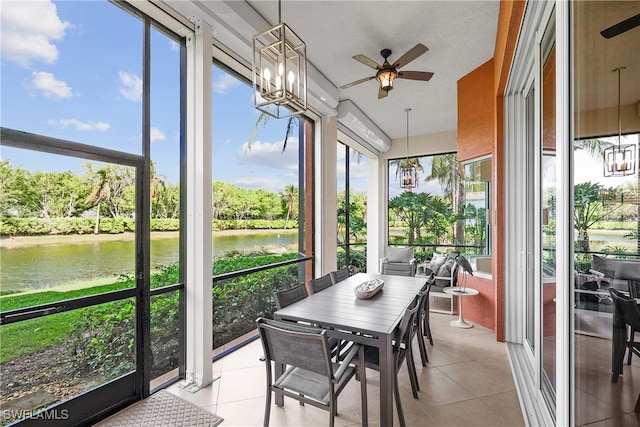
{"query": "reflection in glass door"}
(547, 215)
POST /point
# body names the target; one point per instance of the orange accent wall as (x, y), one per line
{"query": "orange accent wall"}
(476, 113)
(480, 133)
(549, 102)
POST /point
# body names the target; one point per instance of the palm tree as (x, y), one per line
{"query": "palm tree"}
(100, 191)
(445, 169)
(290, 196)
(262, 121)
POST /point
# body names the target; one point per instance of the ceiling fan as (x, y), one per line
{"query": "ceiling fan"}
(621, 27)
(387, 73)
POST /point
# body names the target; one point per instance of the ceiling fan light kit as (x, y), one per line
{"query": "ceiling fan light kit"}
(387, 73)
(279, 71)
(619, 159)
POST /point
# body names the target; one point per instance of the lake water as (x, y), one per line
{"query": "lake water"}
(46, 266)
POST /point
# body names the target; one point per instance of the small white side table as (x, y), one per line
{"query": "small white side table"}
(460, 292)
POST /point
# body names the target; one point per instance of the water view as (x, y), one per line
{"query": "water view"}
(47, 266)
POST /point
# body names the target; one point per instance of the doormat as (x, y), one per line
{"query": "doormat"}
(162, 409)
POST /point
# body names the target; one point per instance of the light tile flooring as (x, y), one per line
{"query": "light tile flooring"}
(467, 382)
(598, 401)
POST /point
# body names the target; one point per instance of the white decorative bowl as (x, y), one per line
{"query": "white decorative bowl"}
(368, 289)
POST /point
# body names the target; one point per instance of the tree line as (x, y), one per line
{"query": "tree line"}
(109, 192)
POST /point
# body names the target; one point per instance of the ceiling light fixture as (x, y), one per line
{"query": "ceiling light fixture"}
(620, 159)
(279, 71)
(408, 171)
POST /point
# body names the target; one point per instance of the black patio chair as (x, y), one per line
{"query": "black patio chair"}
(339, 275)
(320, 284)
(289, 296)
(422, 328)
(311, 377)
(401, 351)
(629, 313)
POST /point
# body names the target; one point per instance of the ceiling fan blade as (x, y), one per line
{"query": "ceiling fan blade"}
(415, 75)
(621, 27)
(366, 61)
(357, 82)
(410, 55)
(382, 93)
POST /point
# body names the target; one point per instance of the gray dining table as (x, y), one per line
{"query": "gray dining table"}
(370, 321)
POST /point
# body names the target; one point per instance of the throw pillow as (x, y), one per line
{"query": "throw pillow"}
(445, 271)
(399, 254)
(437, 261)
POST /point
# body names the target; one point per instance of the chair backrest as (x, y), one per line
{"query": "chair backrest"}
(398, 269)
(405, 329)
(629, 271)
(289, 296)
(319, 284)
(339, 275)
(627, 308)
(423, 294)
(295, 345)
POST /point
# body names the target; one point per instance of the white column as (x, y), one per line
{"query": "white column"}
(565, 396)
(327, 197)
(199, 306)
(376, 212)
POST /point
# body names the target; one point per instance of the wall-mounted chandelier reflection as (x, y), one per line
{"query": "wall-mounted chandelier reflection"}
(279, 71)
(620, 159)
(408, 171)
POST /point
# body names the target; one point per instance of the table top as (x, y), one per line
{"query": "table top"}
(456, 290)
(338, 307)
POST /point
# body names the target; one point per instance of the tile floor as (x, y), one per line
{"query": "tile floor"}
(468, 382)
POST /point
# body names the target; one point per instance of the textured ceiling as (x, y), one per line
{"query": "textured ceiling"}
(460, 36)
(596, 57)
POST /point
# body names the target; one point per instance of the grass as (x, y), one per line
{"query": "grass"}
(32, 336)
(30, 299)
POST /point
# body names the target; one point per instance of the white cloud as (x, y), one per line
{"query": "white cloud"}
(50, 86)
(224, 82)
(130, 86)
(273, 185)
(78, 125)
(157, 135)
(28, 30)
(270, 154)
(173, 46)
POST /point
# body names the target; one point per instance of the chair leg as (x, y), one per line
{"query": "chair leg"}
(630, 346)
(423, 349)
(426, 327)
(413, 376)
(267, 409)
(396, 394)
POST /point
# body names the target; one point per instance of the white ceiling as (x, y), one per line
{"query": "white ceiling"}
(596, 57)
(460, 36)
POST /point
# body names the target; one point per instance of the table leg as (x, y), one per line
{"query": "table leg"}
(460, 322)
(387, 370)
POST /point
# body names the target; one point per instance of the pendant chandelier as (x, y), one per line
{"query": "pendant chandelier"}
(620, 159)
(279, 71)
(408, 172)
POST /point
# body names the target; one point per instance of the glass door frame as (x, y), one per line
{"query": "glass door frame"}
(527, 363)
(134, 385)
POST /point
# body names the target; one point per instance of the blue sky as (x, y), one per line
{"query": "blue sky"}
(72, 70)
